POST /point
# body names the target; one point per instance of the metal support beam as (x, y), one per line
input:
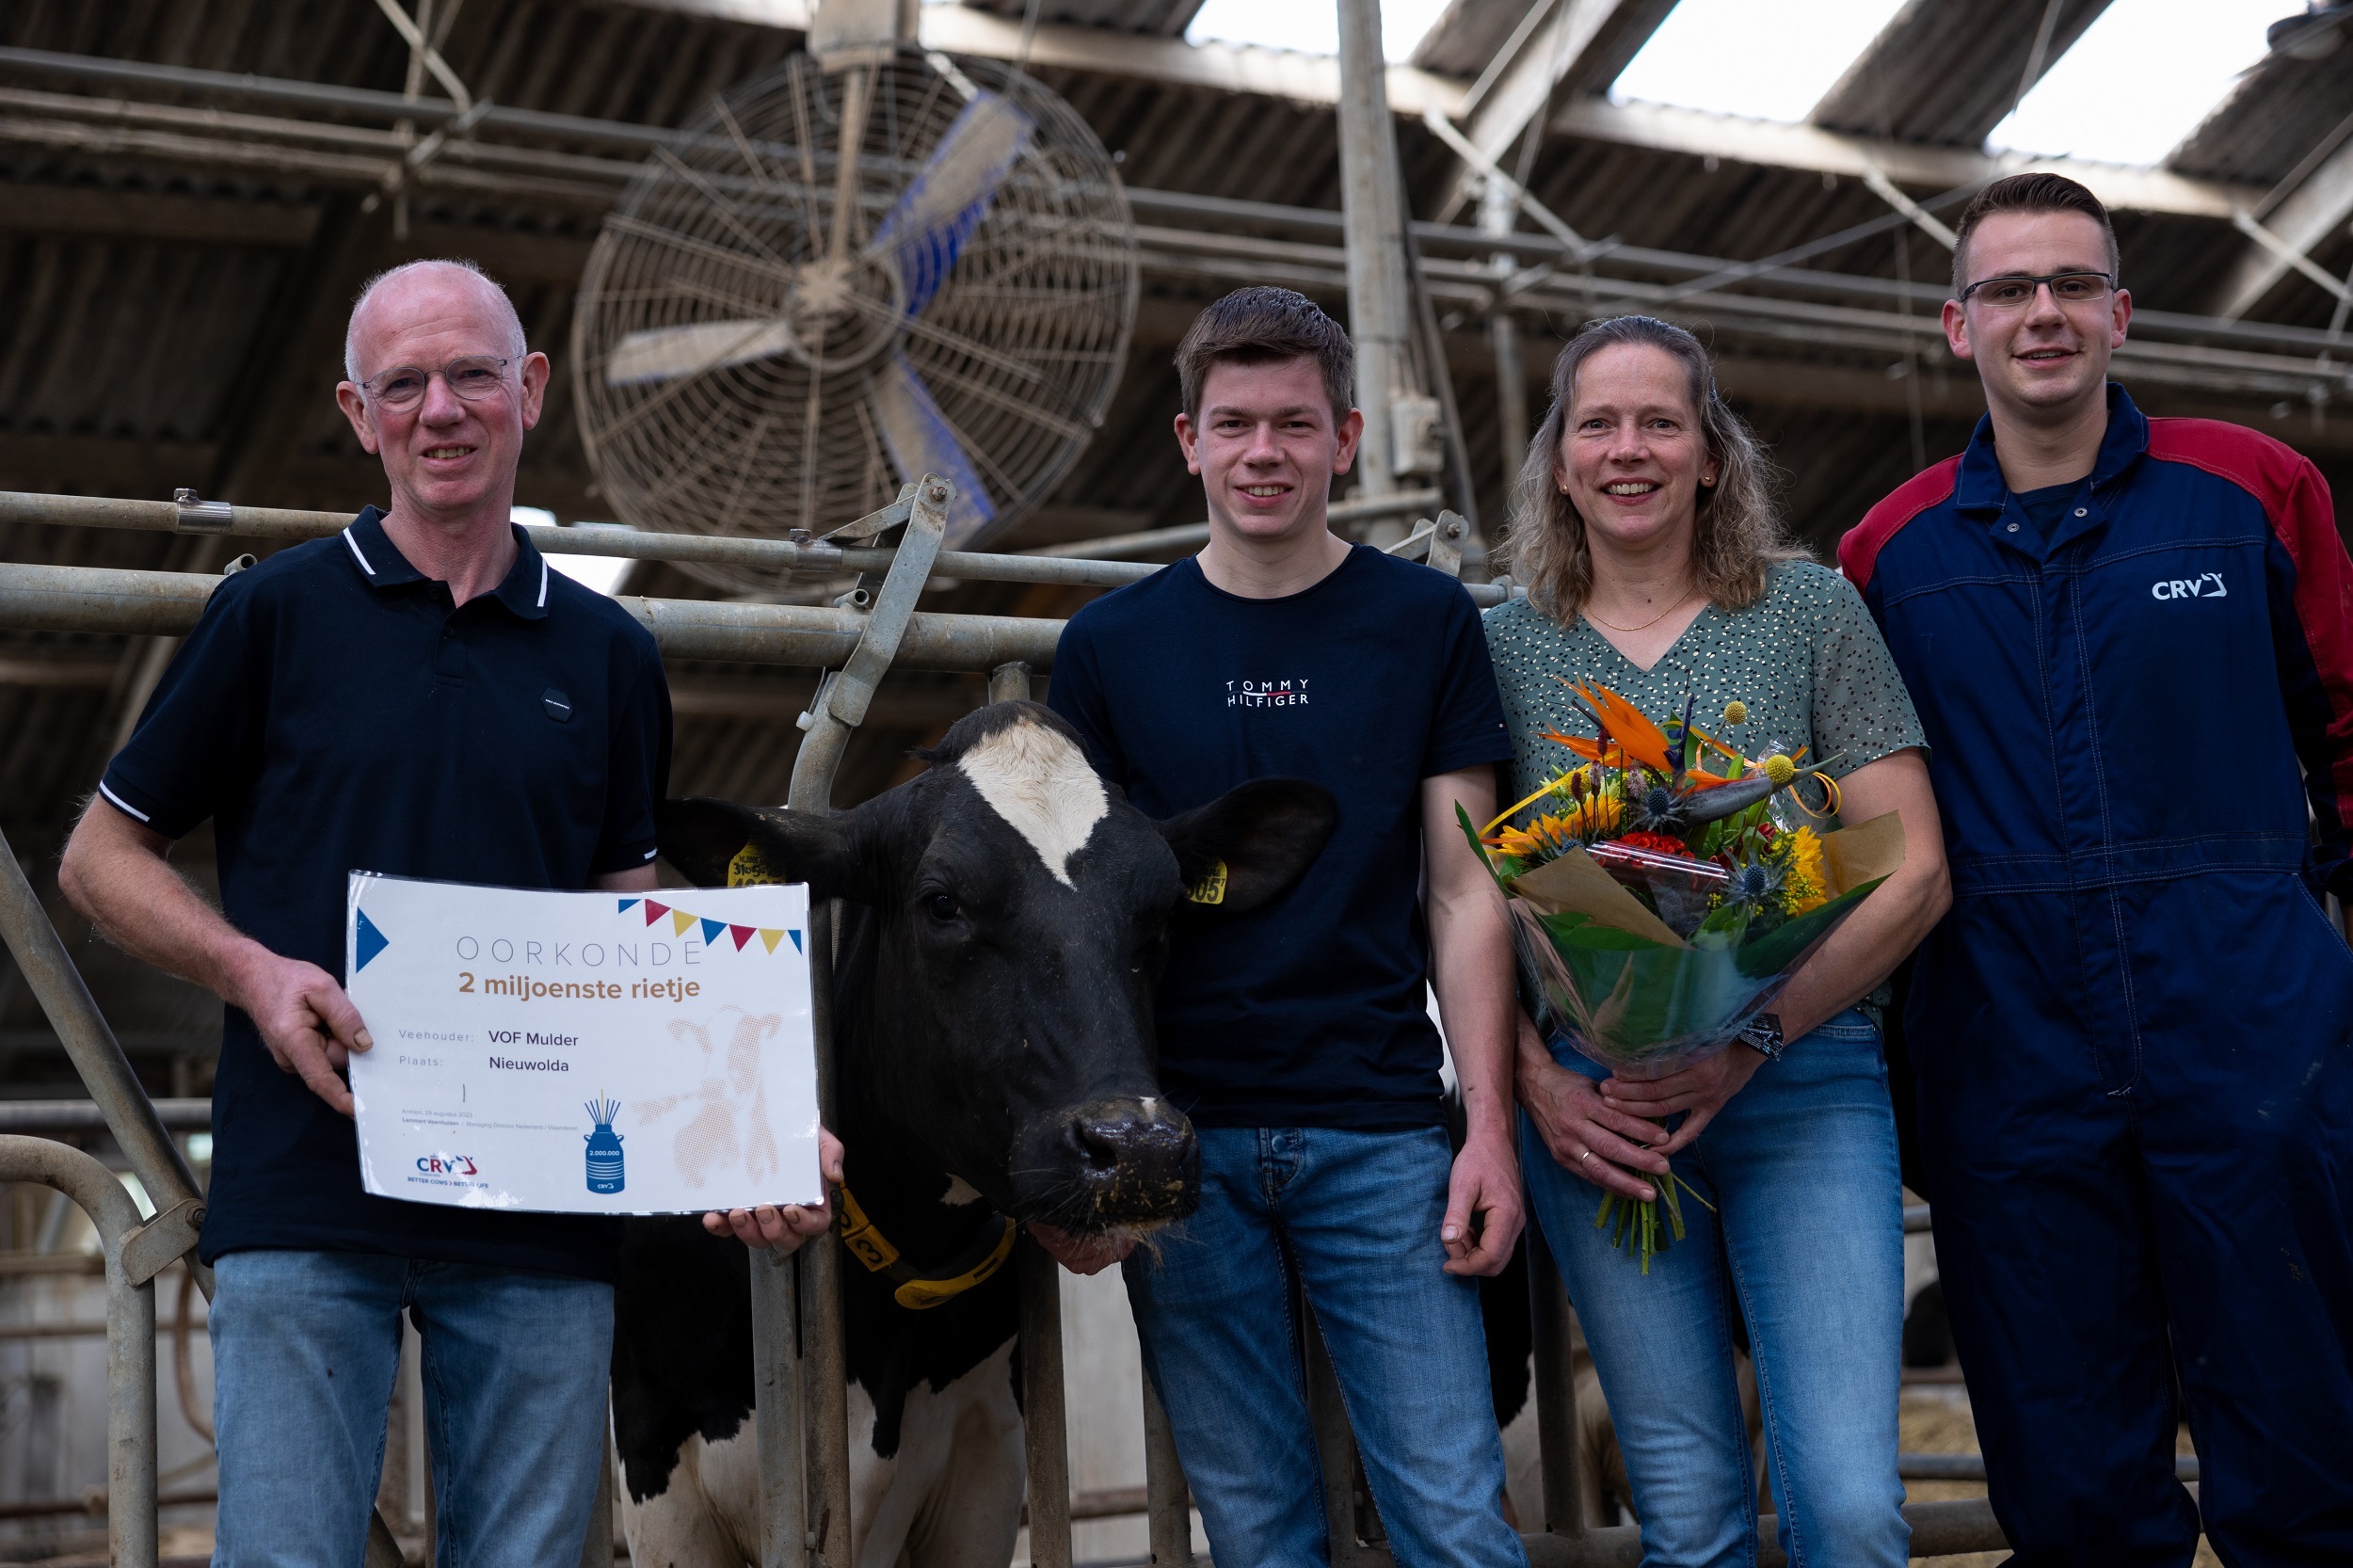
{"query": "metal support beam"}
(1927, 223)
(1482, 164)
(776, 1409)
(1554, 1390)
(1168, 1501)
(1043, 1418)
(2303, 221)
(569, 180)
(1379, 317)
(1812, 149)
(1566, 35)
(1497, 209)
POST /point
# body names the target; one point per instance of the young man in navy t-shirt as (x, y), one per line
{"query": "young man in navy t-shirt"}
(1298, 1038)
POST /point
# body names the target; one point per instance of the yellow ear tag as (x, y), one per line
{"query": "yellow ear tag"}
(1211, 887)
(749, 870)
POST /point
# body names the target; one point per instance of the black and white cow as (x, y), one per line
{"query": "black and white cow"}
(1006, 922)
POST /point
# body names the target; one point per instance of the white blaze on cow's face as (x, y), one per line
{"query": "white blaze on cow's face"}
(1041, 785)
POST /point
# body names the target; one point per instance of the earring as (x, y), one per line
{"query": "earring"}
(1708, 484)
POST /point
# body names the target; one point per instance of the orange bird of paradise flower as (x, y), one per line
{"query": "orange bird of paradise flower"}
(1629, 734)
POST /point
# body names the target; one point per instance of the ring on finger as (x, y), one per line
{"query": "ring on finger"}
(1582, 1158)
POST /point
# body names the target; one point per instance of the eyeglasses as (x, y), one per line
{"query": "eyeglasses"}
(2011, 290)
(472, 376)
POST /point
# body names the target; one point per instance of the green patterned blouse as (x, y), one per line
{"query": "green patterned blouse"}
(1806, 660)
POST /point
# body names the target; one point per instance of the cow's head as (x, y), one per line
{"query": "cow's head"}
(1021, 913)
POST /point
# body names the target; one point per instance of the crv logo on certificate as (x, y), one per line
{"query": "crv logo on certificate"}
(590, 1053)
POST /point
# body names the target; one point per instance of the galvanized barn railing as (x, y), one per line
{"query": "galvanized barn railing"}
(802, 1418)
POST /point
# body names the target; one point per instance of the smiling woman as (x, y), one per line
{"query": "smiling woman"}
(1656, 567)
(1645, 454)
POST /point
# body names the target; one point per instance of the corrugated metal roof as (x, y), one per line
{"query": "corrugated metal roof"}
(1467, 33)
(1164, 18)
(2277, 114)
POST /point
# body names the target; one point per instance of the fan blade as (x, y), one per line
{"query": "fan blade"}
(921, 442)
(668, 353)
(948, 196)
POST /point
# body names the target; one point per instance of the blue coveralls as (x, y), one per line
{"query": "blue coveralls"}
(2134, 1033)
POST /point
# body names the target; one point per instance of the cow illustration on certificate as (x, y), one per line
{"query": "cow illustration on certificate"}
(583, 1052)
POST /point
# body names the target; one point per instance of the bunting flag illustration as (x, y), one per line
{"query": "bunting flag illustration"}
(681, 921)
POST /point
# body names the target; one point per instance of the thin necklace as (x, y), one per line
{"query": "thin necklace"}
(1646, 625)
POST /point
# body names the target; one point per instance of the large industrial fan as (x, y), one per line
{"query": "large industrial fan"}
(836, 281)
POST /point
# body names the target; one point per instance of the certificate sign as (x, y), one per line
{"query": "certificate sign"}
(590, 1053)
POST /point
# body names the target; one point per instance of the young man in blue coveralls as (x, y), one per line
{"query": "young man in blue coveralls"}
(419, 695)
(1297, 1038)
(2134, 1033)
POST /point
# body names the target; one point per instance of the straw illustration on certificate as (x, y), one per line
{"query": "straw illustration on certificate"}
(583, 1052)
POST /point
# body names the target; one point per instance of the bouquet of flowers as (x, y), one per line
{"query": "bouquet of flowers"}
(1657, 903)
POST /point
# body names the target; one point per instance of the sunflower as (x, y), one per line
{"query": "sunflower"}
(1554, 832)
(1800, 852)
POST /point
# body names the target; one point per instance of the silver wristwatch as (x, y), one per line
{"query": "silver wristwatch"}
(1762, 1034)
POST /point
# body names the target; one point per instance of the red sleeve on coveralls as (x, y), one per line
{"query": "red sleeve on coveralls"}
(2294, 498)
(1859, 550)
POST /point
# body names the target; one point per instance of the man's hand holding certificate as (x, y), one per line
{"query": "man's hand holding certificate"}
(586, 1052)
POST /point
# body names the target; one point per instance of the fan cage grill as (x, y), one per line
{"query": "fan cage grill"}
(1020, 348)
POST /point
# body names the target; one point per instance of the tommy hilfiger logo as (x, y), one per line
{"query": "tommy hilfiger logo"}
(2208, 586)
(1266, 693)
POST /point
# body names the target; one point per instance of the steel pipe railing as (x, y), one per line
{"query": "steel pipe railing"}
(1092, 569)
(166, 603)
(130, 1334)
(48, 1117)
(97, 1056)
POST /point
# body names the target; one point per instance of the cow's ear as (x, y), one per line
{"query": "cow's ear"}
(717, 843)
(1246, 848)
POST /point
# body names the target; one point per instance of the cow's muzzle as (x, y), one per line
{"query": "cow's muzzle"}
(1112, 1165)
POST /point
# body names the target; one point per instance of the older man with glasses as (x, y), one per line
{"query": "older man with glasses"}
(2131, 644)
(418, 696)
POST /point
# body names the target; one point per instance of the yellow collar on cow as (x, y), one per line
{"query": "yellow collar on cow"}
(916, 1291)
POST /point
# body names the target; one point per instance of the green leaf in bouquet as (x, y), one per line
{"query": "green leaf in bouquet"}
(1724, 928)
(1471, 832)
(1781, 947)
(1582, 930)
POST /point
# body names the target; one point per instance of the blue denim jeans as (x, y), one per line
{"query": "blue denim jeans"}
(1807, 1242)
(1352, 1217)
(305, 1349)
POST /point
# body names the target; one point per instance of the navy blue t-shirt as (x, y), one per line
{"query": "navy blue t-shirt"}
(332, 712)
(1311, 1012)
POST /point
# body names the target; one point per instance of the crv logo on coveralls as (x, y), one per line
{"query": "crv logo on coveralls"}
(2208, 586)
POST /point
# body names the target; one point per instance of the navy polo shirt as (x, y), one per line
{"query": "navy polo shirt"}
(334, 711)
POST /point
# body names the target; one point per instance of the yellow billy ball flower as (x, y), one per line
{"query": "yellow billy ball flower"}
(1736, 711)
(1779, 769)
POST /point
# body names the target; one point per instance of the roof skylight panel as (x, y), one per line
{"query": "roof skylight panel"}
(1761, 60)
(2140, 79)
